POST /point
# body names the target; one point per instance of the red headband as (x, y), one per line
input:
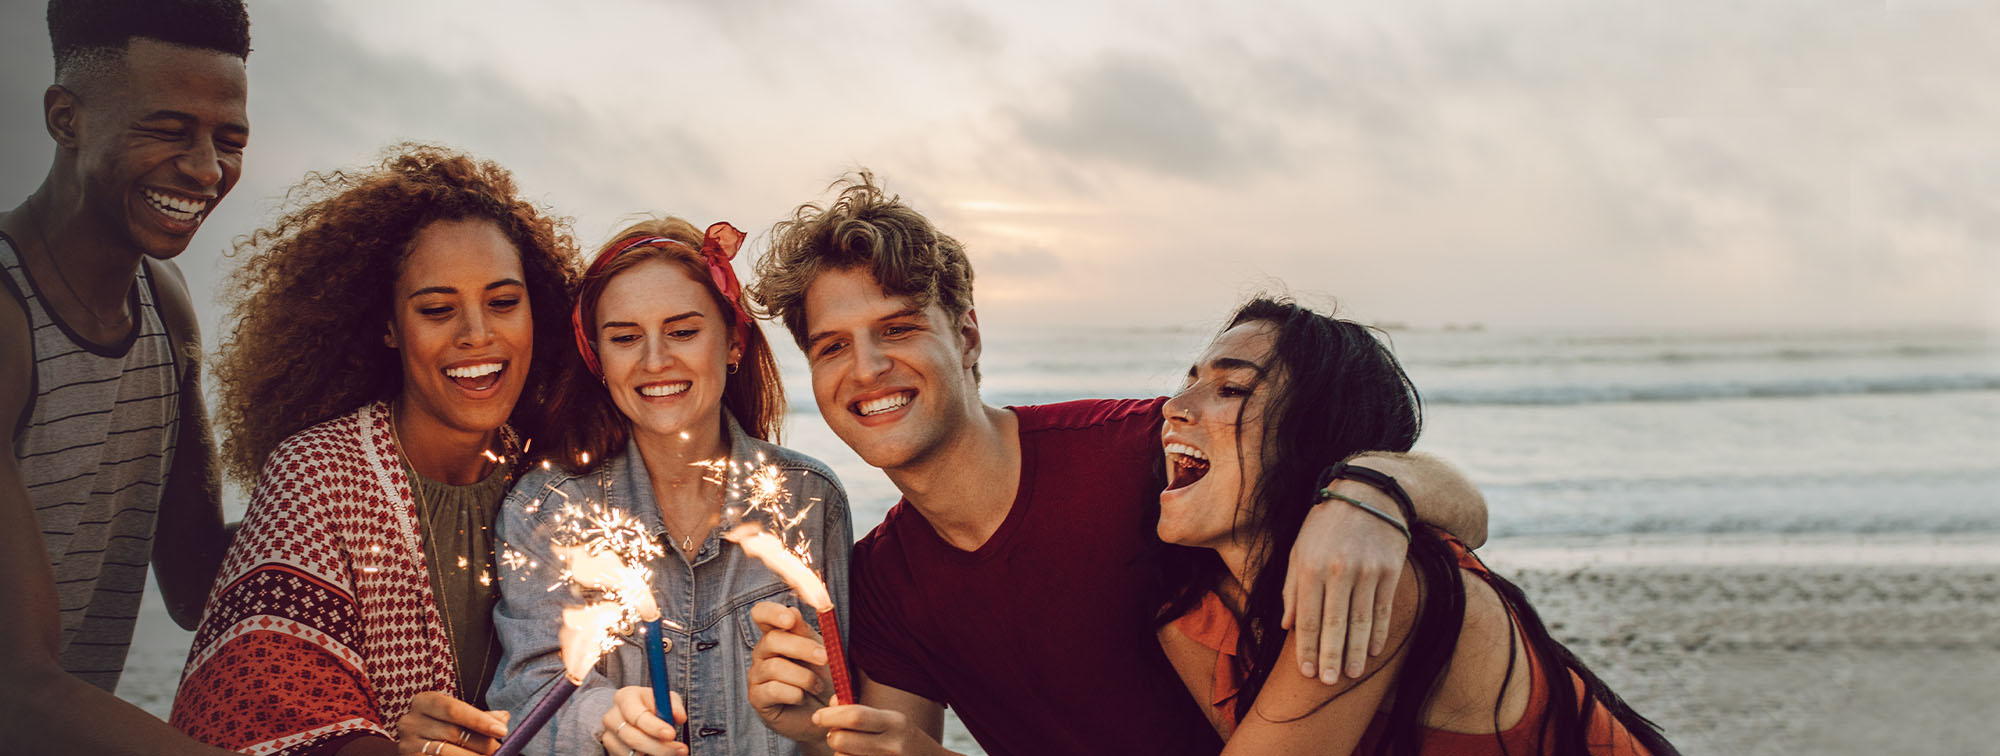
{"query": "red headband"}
(718, 247)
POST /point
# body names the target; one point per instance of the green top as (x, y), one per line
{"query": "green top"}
(457, 524)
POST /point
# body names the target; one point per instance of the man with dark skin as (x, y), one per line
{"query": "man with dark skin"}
(149, 120)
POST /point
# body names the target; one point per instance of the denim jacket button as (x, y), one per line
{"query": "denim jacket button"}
(666, 644)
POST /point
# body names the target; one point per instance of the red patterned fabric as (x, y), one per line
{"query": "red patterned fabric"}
(322, 622)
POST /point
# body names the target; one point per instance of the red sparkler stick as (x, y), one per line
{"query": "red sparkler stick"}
(843, 687)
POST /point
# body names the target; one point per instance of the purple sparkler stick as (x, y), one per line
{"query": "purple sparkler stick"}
(519, 735)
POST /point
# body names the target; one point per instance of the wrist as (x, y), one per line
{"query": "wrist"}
(1348, 471)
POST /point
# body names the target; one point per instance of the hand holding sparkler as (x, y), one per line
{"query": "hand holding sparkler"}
(632, 725)
(773, 553)
(455, 726)
(789, 679)
(605, 553)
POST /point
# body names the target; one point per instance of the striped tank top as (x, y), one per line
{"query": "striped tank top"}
(94, 447)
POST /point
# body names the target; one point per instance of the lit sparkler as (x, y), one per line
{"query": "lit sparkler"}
(604, 552)
(811, 589)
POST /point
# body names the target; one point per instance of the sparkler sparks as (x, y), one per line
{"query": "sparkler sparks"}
(605, 552)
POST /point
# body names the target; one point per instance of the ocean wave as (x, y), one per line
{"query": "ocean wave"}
(1558, 395)
(1709, 390)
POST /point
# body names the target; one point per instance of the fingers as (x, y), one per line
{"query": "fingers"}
(1286, 621)
(790, 645)
(1385, 601)
(459, 713)
(631, 726)
(1310, 601)
(1333, 626)
(439, 725)
(1361, 623)
(861, 730)
(771, 617)
(783, 672)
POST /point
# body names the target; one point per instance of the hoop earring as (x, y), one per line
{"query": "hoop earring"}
(733, 366)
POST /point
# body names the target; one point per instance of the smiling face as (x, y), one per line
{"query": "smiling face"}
(664, 345)
(160, 144)
(462, 325)
(893, 381)
(1213, 457)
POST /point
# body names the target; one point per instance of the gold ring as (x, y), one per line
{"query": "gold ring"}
(429, 743)
(620, 727)
(464, 735)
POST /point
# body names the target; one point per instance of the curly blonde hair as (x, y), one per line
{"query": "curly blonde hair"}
(864, 227)
(312, 299)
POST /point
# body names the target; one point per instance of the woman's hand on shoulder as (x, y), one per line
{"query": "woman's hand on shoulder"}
(439, 725)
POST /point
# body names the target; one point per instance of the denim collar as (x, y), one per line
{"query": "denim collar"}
(631, 487)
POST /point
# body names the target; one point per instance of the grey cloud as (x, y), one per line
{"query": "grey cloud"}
(1139, 113)
(1015, 262)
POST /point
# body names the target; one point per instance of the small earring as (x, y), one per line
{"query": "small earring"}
(732, 368)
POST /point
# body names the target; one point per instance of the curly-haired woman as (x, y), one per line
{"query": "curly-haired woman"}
(381, 372)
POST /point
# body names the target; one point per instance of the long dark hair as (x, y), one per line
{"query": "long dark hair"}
(1341, 393)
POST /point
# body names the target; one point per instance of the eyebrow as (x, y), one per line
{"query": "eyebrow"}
(450, 290)
(629, 324)
(902, 313)
(1230, 363)
(175, 115)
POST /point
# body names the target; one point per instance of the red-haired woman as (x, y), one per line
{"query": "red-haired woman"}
(670, 404)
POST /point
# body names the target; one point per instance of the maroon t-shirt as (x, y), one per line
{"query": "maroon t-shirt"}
(1042, 639)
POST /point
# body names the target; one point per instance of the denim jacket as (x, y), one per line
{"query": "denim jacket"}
(708, 658)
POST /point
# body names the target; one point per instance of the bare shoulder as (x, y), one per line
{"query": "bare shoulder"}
(17, 355)
(175, 303)
(1489, 664)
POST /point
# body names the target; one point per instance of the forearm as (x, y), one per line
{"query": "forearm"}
(1442, 495)
(48, 711)
(190, 540)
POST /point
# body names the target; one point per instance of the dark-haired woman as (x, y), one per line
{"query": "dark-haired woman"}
(389, 353)
(671, 406)
(1470, 668)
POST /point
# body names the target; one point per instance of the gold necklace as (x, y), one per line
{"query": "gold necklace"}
(425, 507)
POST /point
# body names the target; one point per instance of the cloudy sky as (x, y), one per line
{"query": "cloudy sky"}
(1526, 163)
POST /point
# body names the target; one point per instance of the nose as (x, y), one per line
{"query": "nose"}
(657, 356)
(1179, 409)
(475, 329)
(202, 163)
(870, 363)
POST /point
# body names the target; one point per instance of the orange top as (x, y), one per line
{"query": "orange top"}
(1212, 625)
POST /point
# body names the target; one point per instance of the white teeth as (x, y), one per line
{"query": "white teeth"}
(474, 371)
(175, 207)
(1186, 451)
(664, 389)
(884, 404)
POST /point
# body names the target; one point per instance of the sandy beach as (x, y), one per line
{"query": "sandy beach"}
(1816, 644)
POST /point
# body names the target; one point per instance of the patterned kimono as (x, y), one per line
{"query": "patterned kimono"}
(322, 623)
